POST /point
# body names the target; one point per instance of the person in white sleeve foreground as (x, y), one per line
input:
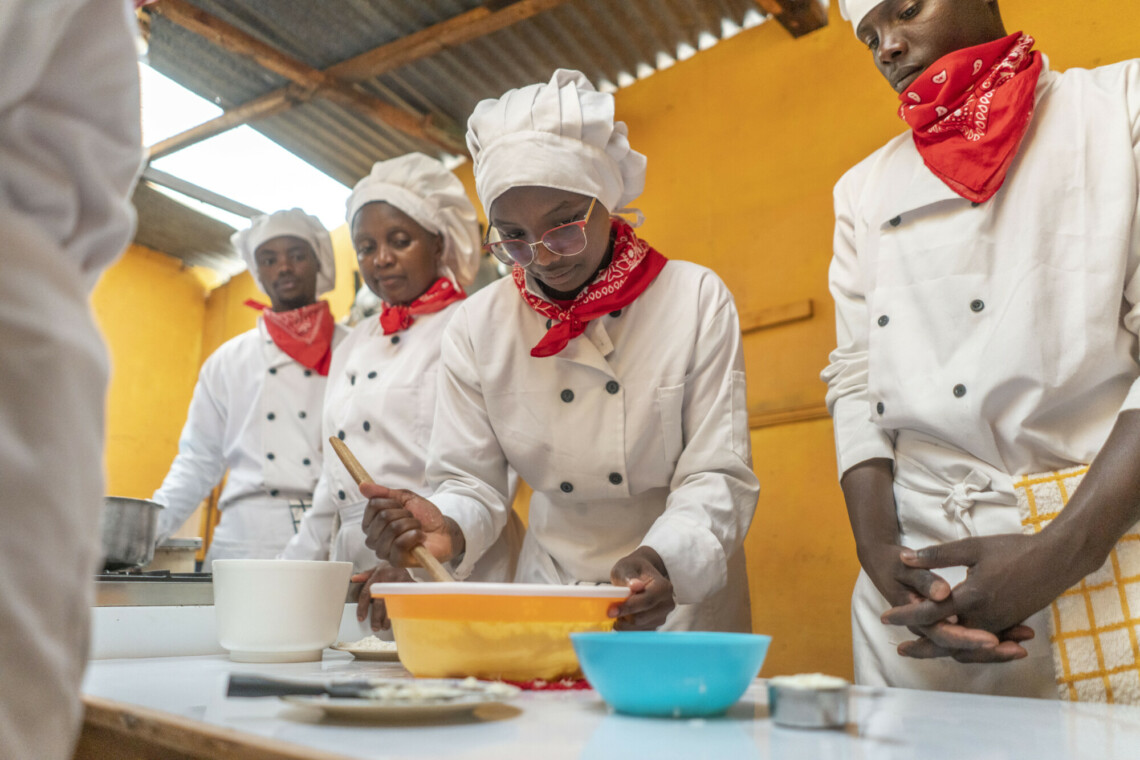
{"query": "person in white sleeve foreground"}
(416, 236)
(986, 276)
(610, 379)
(70, 150)
(256, 410)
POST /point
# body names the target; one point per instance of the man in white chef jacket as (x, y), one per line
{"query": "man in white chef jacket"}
(70, 149)
(256, 410)
(987, 280)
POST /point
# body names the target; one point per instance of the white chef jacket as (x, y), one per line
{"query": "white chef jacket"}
(635, 434)
(380, 401)
(70, 150)
(257, 412)
(981, 341)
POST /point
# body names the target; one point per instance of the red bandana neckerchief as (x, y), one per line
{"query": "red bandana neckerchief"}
(634, 265)
(969, 112)
(304, 334)
(438, 297)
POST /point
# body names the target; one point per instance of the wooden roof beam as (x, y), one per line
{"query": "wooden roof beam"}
(312, 82)
(486, 19)
(797, 16)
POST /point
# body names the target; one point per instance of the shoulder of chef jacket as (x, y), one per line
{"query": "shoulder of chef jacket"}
(636, 433)
(997, 327)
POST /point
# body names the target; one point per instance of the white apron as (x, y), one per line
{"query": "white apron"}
(944, 495)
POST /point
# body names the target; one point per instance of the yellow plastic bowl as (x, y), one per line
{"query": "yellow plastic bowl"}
(513, 631)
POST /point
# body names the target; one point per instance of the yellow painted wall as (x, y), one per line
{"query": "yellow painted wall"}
(150, 309)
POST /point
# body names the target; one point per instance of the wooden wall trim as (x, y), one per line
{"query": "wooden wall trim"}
(761, 319)
(770, 417)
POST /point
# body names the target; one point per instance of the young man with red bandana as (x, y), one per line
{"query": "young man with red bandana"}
(987, 285)
(256, 410)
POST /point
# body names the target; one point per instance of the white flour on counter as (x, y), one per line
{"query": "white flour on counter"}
(368, 644)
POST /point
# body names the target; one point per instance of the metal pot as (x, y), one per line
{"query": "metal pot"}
(128, 532)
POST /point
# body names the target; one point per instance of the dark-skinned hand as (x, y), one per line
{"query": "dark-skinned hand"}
(397, 521)
(903, 585)
(1008, 579)
(382, 573)
(651, 592)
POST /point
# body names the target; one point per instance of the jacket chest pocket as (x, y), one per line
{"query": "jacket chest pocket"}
(669, 402)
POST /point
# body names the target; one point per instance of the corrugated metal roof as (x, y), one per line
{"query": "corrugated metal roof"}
(611, 41)
(604, 39)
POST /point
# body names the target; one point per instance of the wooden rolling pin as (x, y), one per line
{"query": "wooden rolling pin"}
(360, 475)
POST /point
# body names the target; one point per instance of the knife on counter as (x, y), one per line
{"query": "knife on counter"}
(244, 685)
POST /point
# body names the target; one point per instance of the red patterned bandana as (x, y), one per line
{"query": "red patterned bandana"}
(969, 112)
(634, 265)
(305, 334)
(438, 297)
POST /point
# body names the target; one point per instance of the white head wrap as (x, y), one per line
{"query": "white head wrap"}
(425, 190)
(293, 222)
(855, 10)
(560, 134)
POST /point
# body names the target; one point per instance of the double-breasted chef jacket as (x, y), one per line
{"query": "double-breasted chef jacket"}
(257, 412)
(981, 341)
(380, 400)
(635, 434)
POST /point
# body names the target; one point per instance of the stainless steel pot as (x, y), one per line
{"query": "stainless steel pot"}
(128, 532)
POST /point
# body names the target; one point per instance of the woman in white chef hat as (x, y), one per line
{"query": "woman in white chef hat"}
(611, 379)
(417, 244)
(256, 410)
(987, 293)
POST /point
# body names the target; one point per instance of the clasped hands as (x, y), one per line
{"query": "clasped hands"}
(396, 521)
(1009, 577)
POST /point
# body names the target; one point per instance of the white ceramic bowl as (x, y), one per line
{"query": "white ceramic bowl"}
(277, 610)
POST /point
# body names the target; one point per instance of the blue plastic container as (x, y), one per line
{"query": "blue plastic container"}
(670, 674)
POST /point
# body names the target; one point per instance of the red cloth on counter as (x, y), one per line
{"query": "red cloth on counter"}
(304, 334)
(438, 297)
(635, 264)
(970, 110)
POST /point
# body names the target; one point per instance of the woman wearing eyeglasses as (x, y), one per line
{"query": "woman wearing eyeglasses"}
(611, 379)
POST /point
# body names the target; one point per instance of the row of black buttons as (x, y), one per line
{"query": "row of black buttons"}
(615, 478)
(958, 390)
(976, 305)
(271, 416)
(273, 371)
(612, 387)
(614, 314)
(898, 219)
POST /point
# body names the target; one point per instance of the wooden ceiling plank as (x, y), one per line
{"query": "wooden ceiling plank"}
(446, 34)
(799, 17)
(475, 23)
(236, 41)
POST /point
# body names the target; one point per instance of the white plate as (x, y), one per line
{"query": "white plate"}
(381, 655)
(395, 710)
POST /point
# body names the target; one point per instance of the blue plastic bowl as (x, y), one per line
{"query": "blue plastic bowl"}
(674, 674)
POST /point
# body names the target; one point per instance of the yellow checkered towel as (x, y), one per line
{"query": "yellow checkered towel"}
(1095, 625)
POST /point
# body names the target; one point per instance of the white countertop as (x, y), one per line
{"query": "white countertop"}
(889, 723)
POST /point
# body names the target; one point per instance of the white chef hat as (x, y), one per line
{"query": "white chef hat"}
(293, 222)
(855, 10)
(561, 134)
(425, 190)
